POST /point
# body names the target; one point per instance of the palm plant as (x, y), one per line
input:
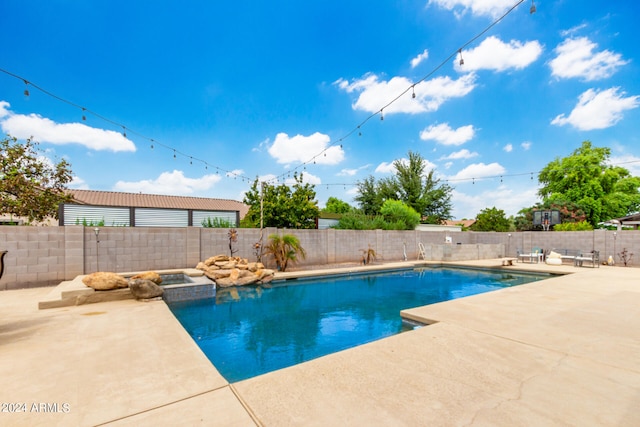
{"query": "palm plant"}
(284, 249)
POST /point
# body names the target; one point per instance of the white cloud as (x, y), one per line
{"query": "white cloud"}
(526, 145)
(575, 58)
(174, 183)
(353, 191)
(352, 172)
(572, 30)
(385, 167)
(494, 54)
(478, 171)
(508, 148)
(445, 135)
(47, 131)
(462, 154)
(301, 148)
(235, 173)
(430, 94)
(504, 197)
(490, 8)
(627, 161)
(418, 59)
(78, 183)
(271, 178)
(307, 178)
(598, 110)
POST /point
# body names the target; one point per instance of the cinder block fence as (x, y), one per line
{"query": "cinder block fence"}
(45, 256)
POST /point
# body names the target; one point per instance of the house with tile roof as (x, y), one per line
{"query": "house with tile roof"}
(110, 208)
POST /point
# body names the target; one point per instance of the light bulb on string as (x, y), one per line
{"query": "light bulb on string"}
(84, 117)
(26, 89)
(124, 131)
(461, 60)
(174, 153)
(413, 90)
(381, 115)
(532, 10)
(152, 141)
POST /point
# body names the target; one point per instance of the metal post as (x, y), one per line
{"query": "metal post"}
(97, 232)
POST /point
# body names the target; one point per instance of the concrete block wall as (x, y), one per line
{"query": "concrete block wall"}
(45, 256)
(36, 256)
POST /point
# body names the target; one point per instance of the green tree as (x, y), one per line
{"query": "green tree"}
(282, 206)
(368, 197)
(284, 249)
(30, 186)
(491, 219)
(426, 194)
(586, 179)
(401, 215)
(335, 205)
(569, 213)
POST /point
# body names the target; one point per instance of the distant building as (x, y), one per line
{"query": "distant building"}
(110, 208)
(629, 221)
(464, 223)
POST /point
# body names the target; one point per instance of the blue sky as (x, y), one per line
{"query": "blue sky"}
(227, 91)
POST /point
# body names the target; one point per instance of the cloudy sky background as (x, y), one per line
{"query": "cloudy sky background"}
(199, 99)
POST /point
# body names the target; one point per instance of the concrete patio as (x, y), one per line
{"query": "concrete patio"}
(559, 352)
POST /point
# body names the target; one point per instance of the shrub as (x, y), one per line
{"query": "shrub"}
(216, 223)
(399, 215)
(573, 226)
(284, 249)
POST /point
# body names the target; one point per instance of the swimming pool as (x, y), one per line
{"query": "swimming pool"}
(249, 331)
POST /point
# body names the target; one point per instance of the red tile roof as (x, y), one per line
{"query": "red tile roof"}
(139, 200)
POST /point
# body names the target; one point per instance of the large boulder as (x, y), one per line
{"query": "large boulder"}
(145, 289)
(218, 258)
(229, 271)
(149, 275)
(105, 281)
(225, 265)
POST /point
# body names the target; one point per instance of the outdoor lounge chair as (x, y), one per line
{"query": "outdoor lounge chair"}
(592, 256)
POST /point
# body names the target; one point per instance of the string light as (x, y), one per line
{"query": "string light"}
(444, 62)
(532, 9)
(26, 89)
(357, 129)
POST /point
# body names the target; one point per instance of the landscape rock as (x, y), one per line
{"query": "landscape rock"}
(149, 275)
(145, 289)
(105, 281)
(218, 258)
(229, 271)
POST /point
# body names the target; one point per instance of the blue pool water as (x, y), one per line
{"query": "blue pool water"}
(248, 331)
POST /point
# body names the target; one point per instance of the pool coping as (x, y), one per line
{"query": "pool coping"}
(552, 352)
